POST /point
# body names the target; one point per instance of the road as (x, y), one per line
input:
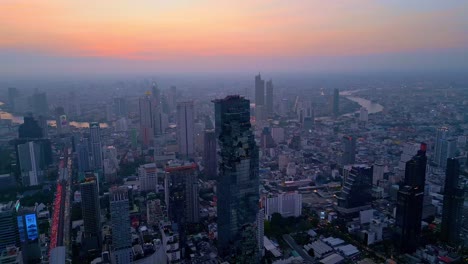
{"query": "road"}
(307, 258)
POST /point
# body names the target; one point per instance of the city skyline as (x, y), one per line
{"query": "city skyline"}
(307, 36)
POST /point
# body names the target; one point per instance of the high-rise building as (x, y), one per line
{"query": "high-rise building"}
(96, 147)
(378, 173)
(12, 95)
(29, 235)
(261, 231)
(146, 121)
(410, 203)
(148, 176)
(83, 155)
(336, 102)
(453, 204)
(91, 211)
(120, 107)
(357, 188)
(31, 163)
(209, 154)
(39, 103)
(159, 125)
(269, 98)
(9, 233)
(349, 150)
(363, 114)
(444, 147)
(259, 90)
(182, 188)
(30, 129)
(185, 128)
(120, 223)
(287, 204)
(238, 181)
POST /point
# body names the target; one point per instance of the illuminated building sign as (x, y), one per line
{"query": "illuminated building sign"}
(21, 228)
(31, 226)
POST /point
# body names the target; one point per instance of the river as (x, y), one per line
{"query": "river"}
(371, 107)
(19, 120)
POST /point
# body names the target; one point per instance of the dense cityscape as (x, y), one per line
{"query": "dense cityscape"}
(233, 132)
(372, 172)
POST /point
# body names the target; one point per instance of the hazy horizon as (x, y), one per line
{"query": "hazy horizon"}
(57, 38)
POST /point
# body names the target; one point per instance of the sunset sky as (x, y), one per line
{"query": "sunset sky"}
(62, 36)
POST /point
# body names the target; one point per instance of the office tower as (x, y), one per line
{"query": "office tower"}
(146, 121)
(91, 211)
(266, 140)
(185, 130)
(378, 173)
(238, 182)
(336, 102)
(96, 147)
(260, 113)
(410, 203)
(357, 188)
(42, 122)
(157, 111)
(30, 128)
(120, 223)
(183, 196)
(453, 204)
(39, 103)
(9, 234)
(363, 114)
(444, 147)
(259, 91)
(169, 105)
(73, 105)
(286, 204)
(261, 231)
(12, 95)
(148, 176)
(349, 150)
(448, 150)
(31, 162)
(29, 235)
(120, 107)
(83, 155)
(269, 98)
(209, 154)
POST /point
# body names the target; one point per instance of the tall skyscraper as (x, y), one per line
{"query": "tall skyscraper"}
(185, 128)
(238, 182)
(32, 165)
(453, 204)
(410, 203)
(148, 175)
(29, 235)
(349, 150)
(259, 90)
(91, 211)
(9, 234)
(120, 223)
(146, 120)
(269, 98)
(83, 155)
(12, 95)
(444, 147)
(30, 129)
(39, 103)
(357, 188)
(120, 107)
(336, 102)
(159, 125)
(183, 196)
(96, 147)
(209, 154)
